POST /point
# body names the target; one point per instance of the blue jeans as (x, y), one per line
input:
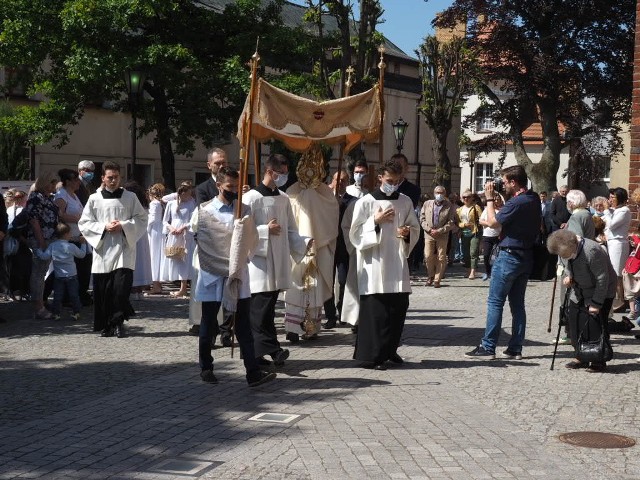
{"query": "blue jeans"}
(509, 277)
(71, 285)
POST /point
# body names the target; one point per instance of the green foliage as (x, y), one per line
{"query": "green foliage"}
(558, 63)
(448, 70)
(13, 164)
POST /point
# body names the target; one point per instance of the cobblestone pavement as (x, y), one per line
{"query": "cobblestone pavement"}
(75, 405)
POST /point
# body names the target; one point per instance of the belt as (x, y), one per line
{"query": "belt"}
(513, 250)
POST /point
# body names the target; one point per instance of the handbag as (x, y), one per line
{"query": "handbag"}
(632, 265)
(178, 247)
(598, 350)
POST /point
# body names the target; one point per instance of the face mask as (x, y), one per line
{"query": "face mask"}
(599, 214)
(281, 179)
(358, 177)
(388, 189)
(439, 197)
(229, 196)
(87, 176)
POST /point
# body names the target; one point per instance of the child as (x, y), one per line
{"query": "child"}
(66, 277)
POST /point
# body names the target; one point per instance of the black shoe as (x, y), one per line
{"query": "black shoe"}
(194, 330)
(354, 329)
(263, 362)
(107, 332)
(208, 376)
(329, 324)
(512, 355)
(280, 356)
(379, 366)
(120, 332)
(576, 364)
(373, 366)
(395, 358)
(597, 367)
(226, 341)
(480, 352)
(293, 337)
(260, 378)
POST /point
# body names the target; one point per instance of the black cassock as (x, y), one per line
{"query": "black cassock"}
(380, 326)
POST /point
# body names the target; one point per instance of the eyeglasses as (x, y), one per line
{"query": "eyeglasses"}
(465, 197)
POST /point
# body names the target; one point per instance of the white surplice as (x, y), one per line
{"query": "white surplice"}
(113, 250)
(382, 256)
(270, 266)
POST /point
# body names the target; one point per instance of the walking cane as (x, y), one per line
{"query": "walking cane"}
(562, 320)
(553, 299)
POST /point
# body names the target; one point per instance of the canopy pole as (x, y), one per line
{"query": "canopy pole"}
(381, 68)
(245, 149)
(257, 160)
(347, 93)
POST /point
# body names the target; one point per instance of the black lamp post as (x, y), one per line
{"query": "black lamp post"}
(134, 80)
(399, 131)
(471, 158)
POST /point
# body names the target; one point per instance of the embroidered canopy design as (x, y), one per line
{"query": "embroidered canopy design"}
(299, 122)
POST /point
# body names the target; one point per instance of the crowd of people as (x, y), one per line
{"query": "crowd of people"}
(112, 244)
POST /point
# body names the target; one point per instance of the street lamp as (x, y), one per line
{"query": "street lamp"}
(134, 80)
(399, 131)
(472, 151)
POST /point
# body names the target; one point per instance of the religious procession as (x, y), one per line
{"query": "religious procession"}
(341, 250)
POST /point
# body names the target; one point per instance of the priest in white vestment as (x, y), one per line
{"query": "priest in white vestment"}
(316, 212)
(112, 222)
(384, 230)
(270, 266)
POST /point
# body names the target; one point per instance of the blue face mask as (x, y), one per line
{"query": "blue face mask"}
(358, 177)
(87, 176)
(388, 189)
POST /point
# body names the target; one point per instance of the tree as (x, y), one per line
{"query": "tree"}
(354, 43)
(13, 164)
(563, 64)
(446, 69)
(75, 53)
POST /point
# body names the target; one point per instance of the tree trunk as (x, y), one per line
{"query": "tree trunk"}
(163, 132)
(443, 163)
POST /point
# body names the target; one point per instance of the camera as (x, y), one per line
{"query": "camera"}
(498, 185)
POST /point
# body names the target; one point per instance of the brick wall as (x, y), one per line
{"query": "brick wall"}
(634, 160)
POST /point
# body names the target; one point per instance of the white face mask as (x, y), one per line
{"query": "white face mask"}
(388, 189)
(281, 179)
(439, 197)
(358, 177)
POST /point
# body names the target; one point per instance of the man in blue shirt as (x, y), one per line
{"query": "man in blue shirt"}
(520, 219)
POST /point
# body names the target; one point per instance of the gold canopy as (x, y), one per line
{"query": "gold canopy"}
(299, 122)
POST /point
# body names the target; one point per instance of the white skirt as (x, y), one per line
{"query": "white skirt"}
(618, 253)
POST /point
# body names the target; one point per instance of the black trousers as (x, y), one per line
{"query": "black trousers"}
(83, 267)
(487, 246)
(380, 325)
(263, 328)
(111, 298)
(209, 329)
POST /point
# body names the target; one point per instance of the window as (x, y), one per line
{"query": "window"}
(483, 173)
(486, 124)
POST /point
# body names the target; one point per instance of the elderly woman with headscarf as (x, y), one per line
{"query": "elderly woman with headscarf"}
(593, 282)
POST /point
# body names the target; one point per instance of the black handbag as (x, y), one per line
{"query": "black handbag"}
(598, 350)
